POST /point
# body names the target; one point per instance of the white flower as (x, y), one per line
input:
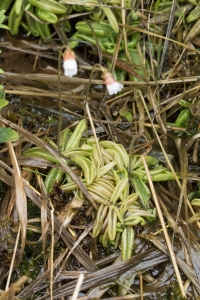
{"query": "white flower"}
(113, 86)
(69, 63)
(70, 67)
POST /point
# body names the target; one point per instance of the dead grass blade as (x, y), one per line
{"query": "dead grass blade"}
(97, 292)
(168, 33)
(183, 155)
(83, 235)
(127, 297)
(155, 240)
(20, 196)
(189, 272)
(70, 210)
(14, 289)
(137, 263)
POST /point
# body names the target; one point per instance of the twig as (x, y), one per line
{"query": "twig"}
(76, 80)
(141, 288)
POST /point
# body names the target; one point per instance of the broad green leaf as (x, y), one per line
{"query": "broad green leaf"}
(8, 135)
(3, 103)
(4, 27)
(111, 18)
(2, 93)
(142, 189)
(2, 18)
(126, 114)
(2, 12)
(196, 202)
(18, 6)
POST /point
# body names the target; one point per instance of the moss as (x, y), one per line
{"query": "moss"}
(7, 243)
(32, 210)
(33, 258)
(173, 293)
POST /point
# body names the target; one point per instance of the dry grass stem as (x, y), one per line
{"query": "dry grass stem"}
(13, 259)
(78, 286)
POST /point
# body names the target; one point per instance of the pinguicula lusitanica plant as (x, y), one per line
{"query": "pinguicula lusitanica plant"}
(108, 175)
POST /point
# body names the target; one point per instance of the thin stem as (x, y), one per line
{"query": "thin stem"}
(59, 96)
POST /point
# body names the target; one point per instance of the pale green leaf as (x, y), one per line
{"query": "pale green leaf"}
(142, 189)
(111, 18)
(3, 103)
(8, 135)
